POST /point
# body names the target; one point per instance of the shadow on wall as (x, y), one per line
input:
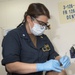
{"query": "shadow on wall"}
(54, 27)
(2, 69)
(52, 32)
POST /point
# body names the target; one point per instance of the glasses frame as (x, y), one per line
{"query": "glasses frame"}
(42, 23)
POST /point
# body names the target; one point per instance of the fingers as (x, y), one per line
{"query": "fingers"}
(66, 58)
(58, 69)
(67, 64)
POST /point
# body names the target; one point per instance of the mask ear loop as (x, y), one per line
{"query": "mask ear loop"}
(29, 23)
(29, 26)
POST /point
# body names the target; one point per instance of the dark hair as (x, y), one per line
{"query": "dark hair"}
(35, 10)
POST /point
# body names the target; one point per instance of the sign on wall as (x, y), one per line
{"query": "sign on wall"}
(67, 11)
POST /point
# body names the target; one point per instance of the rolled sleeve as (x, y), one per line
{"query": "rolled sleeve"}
(53, 53)
(10, 48)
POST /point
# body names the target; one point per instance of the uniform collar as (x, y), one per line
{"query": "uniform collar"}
(40, 39)
(24, 33)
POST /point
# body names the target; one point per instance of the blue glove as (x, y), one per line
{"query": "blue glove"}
(49, 65)
(65, 61)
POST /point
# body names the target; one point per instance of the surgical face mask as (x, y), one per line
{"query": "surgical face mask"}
(37, 29)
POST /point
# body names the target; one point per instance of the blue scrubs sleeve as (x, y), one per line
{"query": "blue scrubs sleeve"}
(11, 48)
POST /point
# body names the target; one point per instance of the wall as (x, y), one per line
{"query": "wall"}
(61, 35)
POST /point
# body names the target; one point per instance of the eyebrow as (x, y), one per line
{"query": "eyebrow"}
(41, 21)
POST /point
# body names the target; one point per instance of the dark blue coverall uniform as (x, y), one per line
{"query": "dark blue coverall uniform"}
(17, 46)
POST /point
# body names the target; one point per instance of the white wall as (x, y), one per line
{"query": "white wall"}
(61, 35)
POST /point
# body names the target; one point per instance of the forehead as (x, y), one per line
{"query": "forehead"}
(43, 18)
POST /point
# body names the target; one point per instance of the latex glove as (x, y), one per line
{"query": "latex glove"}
(49, 65)
(65, 61)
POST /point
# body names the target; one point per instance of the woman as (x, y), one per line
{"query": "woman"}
(27, 51)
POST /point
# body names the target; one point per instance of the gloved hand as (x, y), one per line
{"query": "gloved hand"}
(65, 61)
(49, 65)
